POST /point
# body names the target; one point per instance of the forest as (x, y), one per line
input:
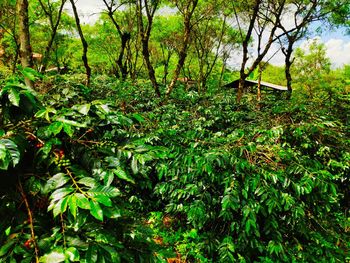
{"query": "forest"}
(162, 131)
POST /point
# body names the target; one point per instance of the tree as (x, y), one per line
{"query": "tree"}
(311, 65)
(211, 34)
(303, 14)
(186, 8)
(24, 38)
(9, 36)
(167, 37)
(84, 43)
(262, 18)
(123, 35)
(149, 7)
(49, 9)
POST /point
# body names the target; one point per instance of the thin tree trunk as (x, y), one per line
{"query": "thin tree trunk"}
(84, 43)
(145, 35)
(25, 51)
(241, 85)
(245, 43)
(151, 72)
(52, 38)
(183, 52)
(261, 55)
(288, 64)
(259, 84)
(14, 65)
(124, 39)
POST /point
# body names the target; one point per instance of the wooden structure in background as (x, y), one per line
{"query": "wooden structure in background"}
(253, 83)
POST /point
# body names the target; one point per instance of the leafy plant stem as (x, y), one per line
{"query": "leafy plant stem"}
(75, 182)
(30, 219)
(34, 136)
(63, 232)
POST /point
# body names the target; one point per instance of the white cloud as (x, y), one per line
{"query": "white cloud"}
(89, 10)
(338, 51)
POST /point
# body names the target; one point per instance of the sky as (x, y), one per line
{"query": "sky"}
(337, 43)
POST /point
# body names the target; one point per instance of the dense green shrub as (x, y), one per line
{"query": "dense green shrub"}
(111, 173)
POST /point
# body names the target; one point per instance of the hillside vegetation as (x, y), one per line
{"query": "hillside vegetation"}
(111, 173)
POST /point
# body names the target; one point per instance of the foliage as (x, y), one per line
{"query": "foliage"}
(110, 174)
(79, 166)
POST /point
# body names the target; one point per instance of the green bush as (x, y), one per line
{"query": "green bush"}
(113, 174)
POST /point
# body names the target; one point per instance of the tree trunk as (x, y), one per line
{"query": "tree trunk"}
(84, 43)
(245, 43)
(240, 89)
(259, 84)
(25, 51)
(151, 72)
(125, 37)
(183, 52)
(247, 38)
(145, 35)
(288, 65)
(52, 38)
(14, 63)
(166, 67)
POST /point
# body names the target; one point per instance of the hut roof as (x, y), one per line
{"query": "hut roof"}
(248, 83)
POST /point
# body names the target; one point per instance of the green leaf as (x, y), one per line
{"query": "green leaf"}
(91, 254)
(134, 166)
(64, 204)
(5, 159)
(95, 210)
(82, 201)
(6, 247)
(68, 129)
(112, 161)
(72, 203)
(8, 231)
(13, 149)
(103, 200)
(247, 226)
(45, 113)
(8, 153)
(55, 256)
(104, 190)
(56, 181)
(108, 178)
(138, 117)
(55, 128)
(59, 207)
(72, 254)
(83, 109)
(122, 175)
(30, 73)
(112, 252)
(13, 96)
(111, 212)
(72, 123)
(60, 193)
(88, 181)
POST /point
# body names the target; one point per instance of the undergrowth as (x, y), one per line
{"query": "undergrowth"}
(112, 173)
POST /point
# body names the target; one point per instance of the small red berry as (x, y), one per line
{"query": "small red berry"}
(28, 244)
(31, 138)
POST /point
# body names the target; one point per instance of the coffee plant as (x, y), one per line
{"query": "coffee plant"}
(113, 174)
